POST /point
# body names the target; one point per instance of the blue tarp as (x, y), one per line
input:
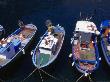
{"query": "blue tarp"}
(58, 30)
(16, 43)
(2, 49)
(105, 23)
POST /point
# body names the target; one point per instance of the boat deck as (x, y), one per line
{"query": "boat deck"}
(3, 61)
(85, 56)
(24, 36)
(42, 58)
(26, 32)
(88, 54)
(86, 66)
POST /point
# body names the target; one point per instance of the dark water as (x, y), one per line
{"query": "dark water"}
(63, 12)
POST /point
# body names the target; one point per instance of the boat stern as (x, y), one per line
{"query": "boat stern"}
(41, 60)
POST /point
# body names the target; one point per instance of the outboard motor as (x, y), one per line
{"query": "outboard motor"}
(2, 31)
(108, 38)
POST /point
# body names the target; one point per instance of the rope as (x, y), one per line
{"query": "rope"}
(40, 74)
(30, 74)
(79, 78)
(49, 74)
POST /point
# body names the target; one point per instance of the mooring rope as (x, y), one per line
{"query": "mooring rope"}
(40, 74)
(79, 78)
(49, 74)
(90, 79)
(29, 74)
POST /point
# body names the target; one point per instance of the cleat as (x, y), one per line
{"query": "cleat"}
(85, 74)
(70, 55)
(23, 51)
(73, 64)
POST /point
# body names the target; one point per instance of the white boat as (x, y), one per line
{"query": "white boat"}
(48, 47)
(84, 47)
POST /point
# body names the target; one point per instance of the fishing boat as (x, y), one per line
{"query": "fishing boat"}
(12, 46)
(49, 46)
(105, 39)
(84, 47)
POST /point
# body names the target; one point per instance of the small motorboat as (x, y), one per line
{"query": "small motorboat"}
(84, 47)
(15, 43)
(49, 46)
(105, 39)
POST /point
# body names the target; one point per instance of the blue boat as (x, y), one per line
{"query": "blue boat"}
(84, 47)
(12, 46)
(49, 46)
(105, 39)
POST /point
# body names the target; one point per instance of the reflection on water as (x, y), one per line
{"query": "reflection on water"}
(64, 12)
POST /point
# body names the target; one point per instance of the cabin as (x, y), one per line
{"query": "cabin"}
(47, 44)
